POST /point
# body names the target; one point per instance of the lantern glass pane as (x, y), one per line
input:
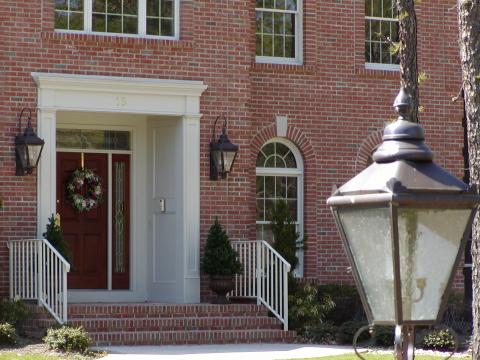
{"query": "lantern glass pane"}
(22, 154)
(429, 241)
(368, 236)
(228, 157)
(33, 154)
(217, 159)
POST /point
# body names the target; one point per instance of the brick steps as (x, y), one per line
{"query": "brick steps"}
(150, 324)
(176, 324)
(192, 337)
(147, 310)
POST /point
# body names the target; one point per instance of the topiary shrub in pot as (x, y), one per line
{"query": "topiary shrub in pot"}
(220, 262)
(54, 235)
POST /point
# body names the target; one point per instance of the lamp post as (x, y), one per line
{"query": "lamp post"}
(404, 222)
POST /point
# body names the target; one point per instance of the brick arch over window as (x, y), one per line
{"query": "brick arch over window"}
(296, 136)
(311, 200)
(366, 149)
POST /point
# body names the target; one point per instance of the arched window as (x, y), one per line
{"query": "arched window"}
(279, 176)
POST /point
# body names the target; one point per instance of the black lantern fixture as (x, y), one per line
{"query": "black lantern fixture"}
(222, 152)
(28, 147)
(404, 222)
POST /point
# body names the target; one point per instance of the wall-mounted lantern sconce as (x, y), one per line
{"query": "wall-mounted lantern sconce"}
(28, 147)
(222, 152)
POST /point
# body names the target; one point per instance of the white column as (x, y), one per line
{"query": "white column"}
(47, 169)
(191, 206)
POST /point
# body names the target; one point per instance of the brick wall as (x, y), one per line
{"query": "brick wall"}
(333, 104)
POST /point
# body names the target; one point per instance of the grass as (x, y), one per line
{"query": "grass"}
(374, 357)
(34, 349)
(12, 355)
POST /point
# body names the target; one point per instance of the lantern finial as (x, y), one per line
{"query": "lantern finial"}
(403, 139)
(403, 105)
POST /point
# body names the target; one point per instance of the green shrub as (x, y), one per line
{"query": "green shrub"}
(7, 334)
(347, 331)
(383, 335)
(322, 333)
(286, 238)
(13, 312)
(439, 340)
(458, 314)
(305, 311)
(220, 258)
(54, 235)
(348, 305)
(67, 338)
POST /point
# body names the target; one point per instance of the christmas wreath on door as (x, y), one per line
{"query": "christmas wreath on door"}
(84, 190)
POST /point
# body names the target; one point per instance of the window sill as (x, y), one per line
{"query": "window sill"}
(263, 67)
(115, 39)
(383, 67)
(278, 60)
(384, 71)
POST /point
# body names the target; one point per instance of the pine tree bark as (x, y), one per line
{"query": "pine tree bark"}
(407, 34)
(469, 33)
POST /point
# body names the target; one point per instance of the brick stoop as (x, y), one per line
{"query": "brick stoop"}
(150, 324)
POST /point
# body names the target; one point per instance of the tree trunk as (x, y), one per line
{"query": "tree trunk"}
(407, 34)
(469, 31)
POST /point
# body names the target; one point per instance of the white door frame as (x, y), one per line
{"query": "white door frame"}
(179, 98)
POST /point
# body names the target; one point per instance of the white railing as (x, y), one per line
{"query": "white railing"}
(39, 272)
(264, 277)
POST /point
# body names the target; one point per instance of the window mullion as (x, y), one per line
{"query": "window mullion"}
(299, 30)
(87, 20)
(142, 17)
(177, 19)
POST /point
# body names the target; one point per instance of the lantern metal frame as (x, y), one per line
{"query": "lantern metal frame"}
(27, 138)
(223, 144)
(403, 176)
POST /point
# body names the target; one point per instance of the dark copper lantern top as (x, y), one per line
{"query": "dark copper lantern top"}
(403, 139)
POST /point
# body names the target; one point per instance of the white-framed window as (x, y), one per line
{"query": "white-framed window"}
(381, 30)
(279, 177)
(146, 18)
(279, 31)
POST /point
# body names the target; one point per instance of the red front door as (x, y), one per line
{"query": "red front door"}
(85, 232)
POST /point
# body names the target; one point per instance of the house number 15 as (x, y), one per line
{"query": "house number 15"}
(121, 101)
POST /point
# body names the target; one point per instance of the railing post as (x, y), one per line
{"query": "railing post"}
(11, 267)
(40, 272)
(285, 297)
(64, 290)
(258, 248)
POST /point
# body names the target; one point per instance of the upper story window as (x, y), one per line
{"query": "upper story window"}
(279, 31)
(157, 18)
(381, 30)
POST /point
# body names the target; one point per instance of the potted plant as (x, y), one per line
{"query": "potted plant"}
(220, 262)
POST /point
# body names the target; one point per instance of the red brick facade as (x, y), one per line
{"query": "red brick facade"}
(332, 103)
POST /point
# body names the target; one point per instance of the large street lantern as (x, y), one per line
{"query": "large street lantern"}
(404, 222)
